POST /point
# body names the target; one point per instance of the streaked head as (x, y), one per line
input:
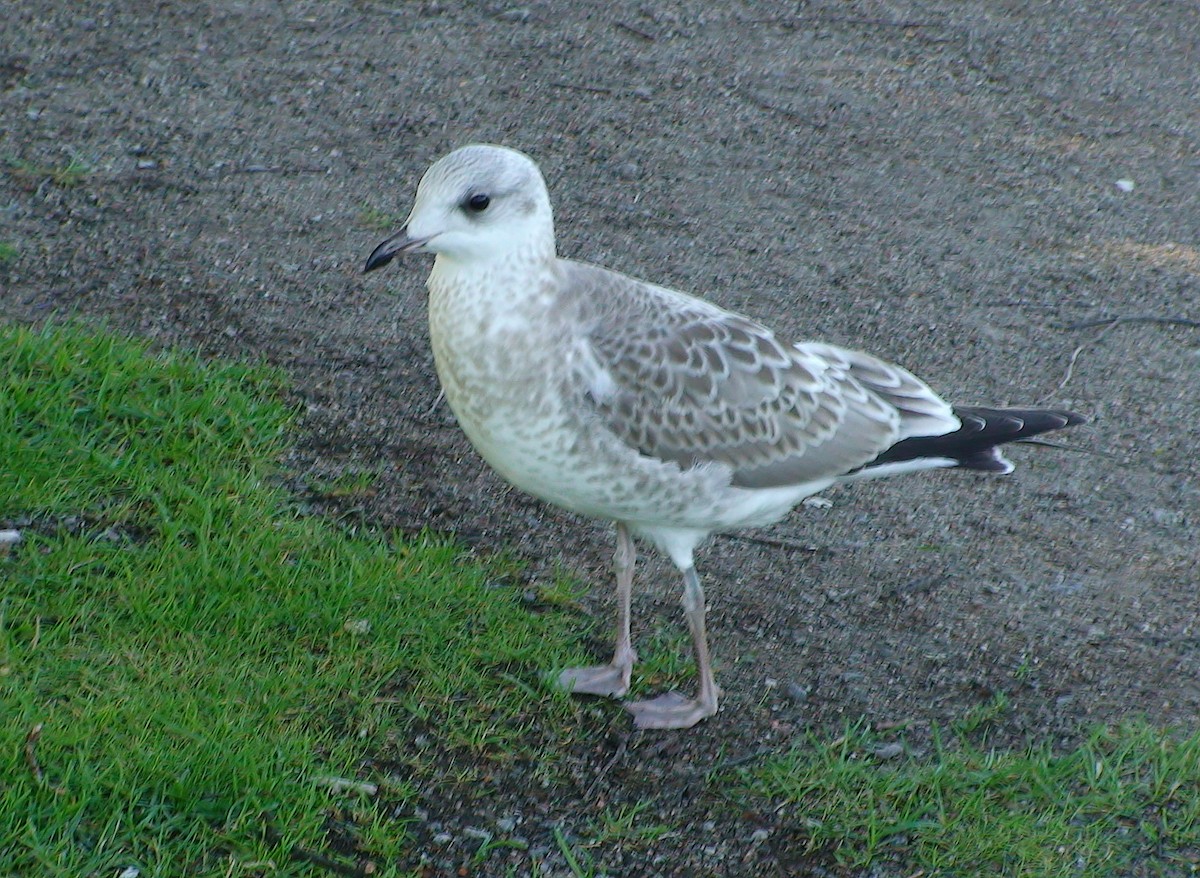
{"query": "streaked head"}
(477, 204)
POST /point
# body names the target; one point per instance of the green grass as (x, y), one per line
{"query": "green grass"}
(629, 825)
(1127, 802)
(185, 661)
(8, 252)
(183, 657)
(377, 220)
(31, 174)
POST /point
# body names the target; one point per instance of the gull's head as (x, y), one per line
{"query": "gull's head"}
(480, 203)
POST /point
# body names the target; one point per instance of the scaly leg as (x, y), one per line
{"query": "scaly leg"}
(673, 710)
(612, 679)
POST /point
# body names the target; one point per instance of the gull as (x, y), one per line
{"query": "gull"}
(656, 410)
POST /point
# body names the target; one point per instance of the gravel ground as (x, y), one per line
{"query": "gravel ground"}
(1001, 196)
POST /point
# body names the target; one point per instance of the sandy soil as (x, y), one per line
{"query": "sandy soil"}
(963, 187)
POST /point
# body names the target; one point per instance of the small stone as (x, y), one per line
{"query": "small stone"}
(477, 834)
(506, 824)
(146, 164)
(357, 626)
(520, 14)
(888, 751)
(758, 836)
(628, 171)
(1125, 185)
(796, 692)
(442, 839)
(1167, 517)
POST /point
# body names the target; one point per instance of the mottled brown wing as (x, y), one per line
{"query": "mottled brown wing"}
(684, 381)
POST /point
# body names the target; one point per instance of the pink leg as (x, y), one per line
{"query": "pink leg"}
(612, 679)
(673, 710)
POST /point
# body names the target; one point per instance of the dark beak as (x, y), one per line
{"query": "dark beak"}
(391, 248)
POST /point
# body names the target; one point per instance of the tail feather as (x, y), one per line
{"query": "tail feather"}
(974, 445)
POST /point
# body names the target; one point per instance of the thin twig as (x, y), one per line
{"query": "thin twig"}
(637, 32)
(1134, 318)
(622, 747)
(1063, 446)
(752, 756)
(31, 753)
(339, 785)
(301, 855)
(277, 169)
(1075, 357)
(345, 25)
(772, 542)
(1018, 303)
(795, 115)
(384, 10)
(843, 19)
(588, 88)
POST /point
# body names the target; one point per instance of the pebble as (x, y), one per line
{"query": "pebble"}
(796, 692)
(442, 839)
(888, 751)
(628, 171)
(477, 834)
(506, 824)
(1168, 517)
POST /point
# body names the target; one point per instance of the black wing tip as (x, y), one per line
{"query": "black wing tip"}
(1028, 422)
(976, 444)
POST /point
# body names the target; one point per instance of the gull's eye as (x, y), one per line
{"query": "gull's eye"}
(478, 202)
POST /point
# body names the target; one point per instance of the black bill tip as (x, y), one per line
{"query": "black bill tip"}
(399, 243)
(381, 255)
